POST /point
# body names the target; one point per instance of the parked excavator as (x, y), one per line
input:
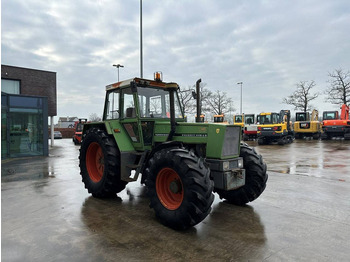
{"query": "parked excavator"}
(334, 125)
(306, 125)
(275, 128)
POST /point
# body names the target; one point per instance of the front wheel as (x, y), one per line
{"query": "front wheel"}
(100, 164)
(179, 187)
(255, 179)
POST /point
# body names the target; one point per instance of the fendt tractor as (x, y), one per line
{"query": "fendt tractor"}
(144, 135)
(306, 126)
(335, 126)
(275, 128)
(78, 127)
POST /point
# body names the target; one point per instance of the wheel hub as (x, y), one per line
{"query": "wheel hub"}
(175, 186)
(169, 188)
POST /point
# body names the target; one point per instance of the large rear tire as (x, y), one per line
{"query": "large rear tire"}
(100, 164)
(255, 179)
(179, 187)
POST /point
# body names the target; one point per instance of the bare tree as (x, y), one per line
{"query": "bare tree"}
(189, 104)
(186, 100)
(339, 90)
(219, 102)
(302, 96)
(94, 118)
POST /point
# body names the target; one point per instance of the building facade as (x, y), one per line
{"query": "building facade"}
(28, 98)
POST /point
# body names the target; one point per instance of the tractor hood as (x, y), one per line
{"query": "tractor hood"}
(222, 141)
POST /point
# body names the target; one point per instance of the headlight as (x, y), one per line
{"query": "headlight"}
(240, 163)
(226, 165)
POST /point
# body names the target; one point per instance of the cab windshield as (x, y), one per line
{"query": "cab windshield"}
(238, 119)
(329, 115)
(218, 119)
(249, 119)
(267, 119)
(300, 117)
(155, 103)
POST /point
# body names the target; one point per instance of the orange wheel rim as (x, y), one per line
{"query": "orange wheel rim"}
(169, 188)
(95, 162)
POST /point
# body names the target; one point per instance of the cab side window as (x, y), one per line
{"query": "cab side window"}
(112, 111)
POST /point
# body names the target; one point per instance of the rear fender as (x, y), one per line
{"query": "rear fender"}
(121, 137)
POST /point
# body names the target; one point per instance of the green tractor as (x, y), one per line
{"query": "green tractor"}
(144, 135)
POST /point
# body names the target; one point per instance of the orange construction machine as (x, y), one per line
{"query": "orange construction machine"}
(335, 126)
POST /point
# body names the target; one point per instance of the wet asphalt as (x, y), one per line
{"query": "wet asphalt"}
(303, 214)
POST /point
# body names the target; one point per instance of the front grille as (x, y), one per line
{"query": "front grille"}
(231, 141)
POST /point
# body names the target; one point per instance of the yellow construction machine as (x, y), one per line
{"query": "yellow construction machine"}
(275, 128)
(306, 126)
(220, 119)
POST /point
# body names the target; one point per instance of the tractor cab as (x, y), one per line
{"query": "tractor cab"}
(138, 104)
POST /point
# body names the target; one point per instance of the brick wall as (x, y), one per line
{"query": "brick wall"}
(34, 82)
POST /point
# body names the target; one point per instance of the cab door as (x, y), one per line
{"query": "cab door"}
(130, 117)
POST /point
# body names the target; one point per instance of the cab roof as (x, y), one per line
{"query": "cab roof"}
(142, 82)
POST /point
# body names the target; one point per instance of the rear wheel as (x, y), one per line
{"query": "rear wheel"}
(100, 164)
(179, 187)
(255, 179)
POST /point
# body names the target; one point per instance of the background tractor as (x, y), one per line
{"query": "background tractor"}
(306, 126)
(144, 135)
(78, 127)
(275, 128)
(335, 126)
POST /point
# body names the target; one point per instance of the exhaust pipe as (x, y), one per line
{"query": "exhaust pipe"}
(198, 100)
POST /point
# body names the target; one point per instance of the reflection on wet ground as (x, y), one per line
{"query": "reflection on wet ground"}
(326, 159)
(47, 214)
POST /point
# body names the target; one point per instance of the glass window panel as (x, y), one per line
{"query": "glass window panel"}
(10, 86)
(113, 105)
(155, 102)
(129, 104)
(26, 133)
(32, 102)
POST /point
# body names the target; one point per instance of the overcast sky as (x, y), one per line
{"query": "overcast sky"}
(268, 45)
